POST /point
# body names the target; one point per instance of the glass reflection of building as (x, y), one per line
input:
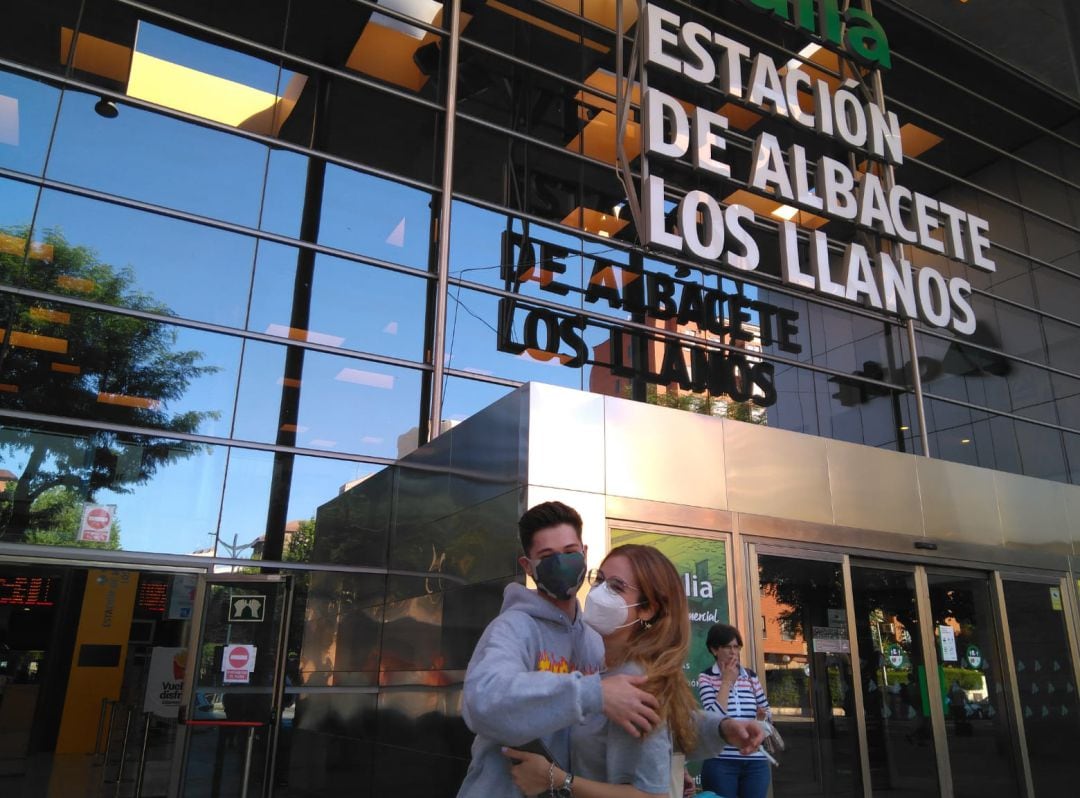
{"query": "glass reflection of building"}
(235, 284)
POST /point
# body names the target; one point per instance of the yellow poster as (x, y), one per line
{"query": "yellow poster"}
(97, 667)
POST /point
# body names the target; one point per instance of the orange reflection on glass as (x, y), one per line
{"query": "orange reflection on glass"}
(128, 401)
(96, 55)
(14, 245)
(80, 285)
(54, 316)
(31, 341)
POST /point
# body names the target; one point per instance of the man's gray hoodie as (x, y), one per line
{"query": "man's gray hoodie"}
(534, 674)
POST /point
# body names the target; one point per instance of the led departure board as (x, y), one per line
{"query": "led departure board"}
(152, 596)
(27, 590)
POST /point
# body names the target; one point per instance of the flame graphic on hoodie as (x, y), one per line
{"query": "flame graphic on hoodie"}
(546, 662)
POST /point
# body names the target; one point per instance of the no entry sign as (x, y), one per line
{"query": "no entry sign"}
(237, 663)
(97, 521)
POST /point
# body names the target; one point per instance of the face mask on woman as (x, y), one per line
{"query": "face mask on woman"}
(606, 611)
(559, 575)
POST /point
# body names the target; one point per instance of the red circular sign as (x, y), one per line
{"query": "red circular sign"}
(238, 658)
(98, 518)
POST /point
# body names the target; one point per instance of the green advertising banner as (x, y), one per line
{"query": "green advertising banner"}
(702, 563)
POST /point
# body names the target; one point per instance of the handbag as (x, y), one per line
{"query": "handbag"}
(773, 743)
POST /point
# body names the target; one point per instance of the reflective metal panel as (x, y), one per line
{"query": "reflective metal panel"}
(566, 438)
(772, 472)
(874, 489)
(664, 455)
(1072, 516)
(594, 532)
(1033, 512)
(958, 502)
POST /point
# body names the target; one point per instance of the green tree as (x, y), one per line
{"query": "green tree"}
(72, 360)
(301, 542)
(56, 516)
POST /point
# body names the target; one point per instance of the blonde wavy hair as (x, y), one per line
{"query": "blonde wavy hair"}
(661, 645)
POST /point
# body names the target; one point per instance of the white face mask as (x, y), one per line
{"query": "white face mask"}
(606, 611)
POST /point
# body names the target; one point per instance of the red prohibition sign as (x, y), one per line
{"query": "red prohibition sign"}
(98, 518)
(238, 658)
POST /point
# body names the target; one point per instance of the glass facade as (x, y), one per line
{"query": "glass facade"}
(235, 282)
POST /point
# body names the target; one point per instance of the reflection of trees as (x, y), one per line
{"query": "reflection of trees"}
(704, 403)
(300, 542)
(804, 590)
(72, 361)
(55, 517)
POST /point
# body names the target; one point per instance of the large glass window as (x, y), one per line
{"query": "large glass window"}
(808, 677)
(1046, 682)
(320, 401)
(27, 112)
(340, 303)
(976, 719)
(164, 494)
(174, 267)
(68, 360)
(899, 732)
(189, 167)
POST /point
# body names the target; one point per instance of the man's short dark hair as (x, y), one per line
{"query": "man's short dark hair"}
(721, 634)
(545, 516)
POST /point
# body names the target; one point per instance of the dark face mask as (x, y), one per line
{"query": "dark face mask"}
(560, 575)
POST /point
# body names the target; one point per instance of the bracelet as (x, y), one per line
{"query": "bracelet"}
(551, 778)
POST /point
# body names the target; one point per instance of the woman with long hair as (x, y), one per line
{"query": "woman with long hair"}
(638, 606)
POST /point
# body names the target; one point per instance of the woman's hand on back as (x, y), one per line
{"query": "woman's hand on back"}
(530, 772)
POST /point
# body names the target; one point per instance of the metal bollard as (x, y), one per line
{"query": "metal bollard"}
(142, 756)
(247, 762)
(123, 751)
(108, 736)
(100, 726)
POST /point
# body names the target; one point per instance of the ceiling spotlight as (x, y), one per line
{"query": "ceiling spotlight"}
(106, 108)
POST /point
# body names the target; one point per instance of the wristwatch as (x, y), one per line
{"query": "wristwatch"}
(566, 789)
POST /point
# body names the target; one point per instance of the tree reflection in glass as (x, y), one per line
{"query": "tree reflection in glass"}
(69, 360)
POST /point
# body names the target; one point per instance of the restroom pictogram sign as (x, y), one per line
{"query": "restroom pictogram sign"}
(246, 608)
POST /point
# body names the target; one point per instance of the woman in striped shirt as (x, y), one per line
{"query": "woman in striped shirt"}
(732, 689)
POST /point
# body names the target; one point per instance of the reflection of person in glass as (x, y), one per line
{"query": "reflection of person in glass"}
(730, 688)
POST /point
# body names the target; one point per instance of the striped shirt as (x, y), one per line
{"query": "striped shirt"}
(743, 701)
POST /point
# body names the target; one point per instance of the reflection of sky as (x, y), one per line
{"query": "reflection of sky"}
(205, 57)
(175, 262)
(35, 105)
(151, 157)
(16, 203)
(206, 274)
(315, 482)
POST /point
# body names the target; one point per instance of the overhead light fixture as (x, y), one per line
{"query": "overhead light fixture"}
(106, 108)
(965, 440)
(904, 427)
